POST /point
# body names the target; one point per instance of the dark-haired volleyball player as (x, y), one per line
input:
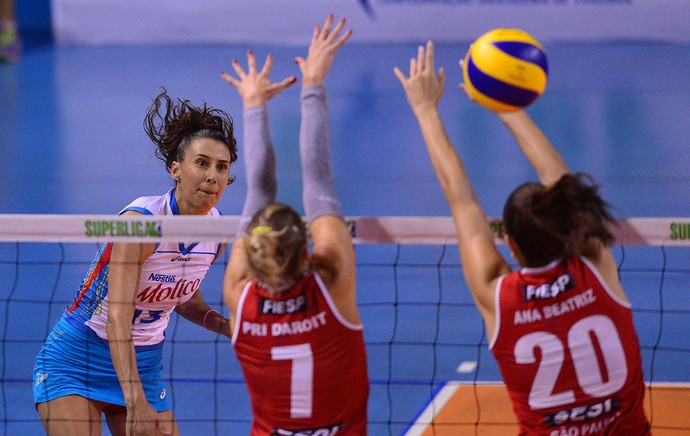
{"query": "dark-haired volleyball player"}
(560, 326)
(296, 328)
(104, 355)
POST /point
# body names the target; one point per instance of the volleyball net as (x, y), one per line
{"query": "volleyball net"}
(430, 368)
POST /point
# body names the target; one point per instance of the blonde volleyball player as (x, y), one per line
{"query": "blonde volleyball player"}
(105, 353)
(296, 328)
(560, 326)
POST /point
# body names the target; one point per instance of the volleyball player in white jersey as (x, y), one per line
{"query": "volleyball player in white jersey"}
(104, 355)
(560, 326)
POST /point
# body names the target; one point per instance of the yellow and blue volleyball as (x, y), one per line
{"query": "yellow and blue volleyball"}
(505, 70)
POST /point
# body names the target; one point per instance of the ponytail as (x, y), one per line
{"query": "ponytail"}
(557, 222)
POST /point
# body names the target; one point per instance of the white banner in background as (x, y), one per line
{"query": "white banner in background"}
(289, 21)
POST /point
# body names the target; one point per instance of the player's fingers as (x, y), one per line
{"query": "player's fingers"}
(164, 427)
(413, 67)
(282, 85)
(420, 58)
(399, 74)
(251, 62)
(238, 69)
(228, 78)
(441, 77)
(268, 65)
(336, 31)
(464, 89)
(326, 30)
(429, 61)
(343, 39)
(315, 34)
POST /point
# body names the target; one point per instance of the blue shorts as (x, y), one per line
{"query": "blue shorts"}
(76, 362)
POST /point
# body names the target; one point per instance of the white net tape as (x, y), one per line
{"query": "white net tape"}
(366, 230)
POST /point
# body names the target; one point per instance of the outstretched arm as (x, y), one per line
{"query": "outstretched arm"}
(256, 89)
(542, 155)
(332, 254)
(481, 261)
(319, 195)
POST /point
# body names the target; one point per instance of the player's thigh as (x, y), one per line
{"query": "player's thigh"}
(71, 415)
(116, 418)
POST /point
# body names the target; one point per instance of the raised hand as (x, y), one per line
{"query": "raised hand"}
(423, 88)
(255, 87)
(322, 49)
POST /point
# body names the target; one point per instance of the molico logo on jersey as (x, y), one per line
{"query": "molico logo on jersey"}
(151, 229)
(168, 291)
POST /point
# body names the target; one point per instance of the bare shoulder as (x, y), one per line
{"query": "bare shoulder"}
(601, 257)
(139, 251)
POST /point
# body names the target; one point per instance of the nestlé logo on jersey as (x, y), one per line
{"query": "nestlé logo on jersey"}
(548, 290)
(163, 278)
(168, 292)
(282, 307)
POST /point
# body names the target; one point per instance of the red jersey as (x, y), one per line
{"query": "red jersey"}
(568, 352)
(304, 364)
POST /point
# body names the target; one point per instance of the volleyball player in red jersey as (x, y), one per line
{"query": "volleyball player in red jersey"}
(296, 328)
(560, 326)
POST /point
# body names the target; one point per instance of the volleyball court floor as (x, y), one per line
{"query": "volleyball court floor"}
(72, 143)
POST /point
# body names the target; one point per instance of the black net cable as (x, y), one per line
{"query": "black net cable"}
(5, 330)
(439, 300)
(14, 297)
(659, 333)
(396, 290)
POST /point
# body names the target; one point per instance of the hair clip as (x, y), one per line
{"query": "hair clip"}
(261, 230)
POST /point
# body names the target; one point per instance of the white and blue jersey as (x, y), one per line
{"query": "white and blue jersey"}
(75, 358)
(169, 277)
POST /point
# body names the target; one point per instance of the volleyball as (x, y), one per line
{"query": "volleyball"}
(505, 70)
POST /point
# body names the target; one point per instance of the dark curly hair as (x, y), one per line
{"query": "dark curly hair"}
(172, 124)
(556, 222)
